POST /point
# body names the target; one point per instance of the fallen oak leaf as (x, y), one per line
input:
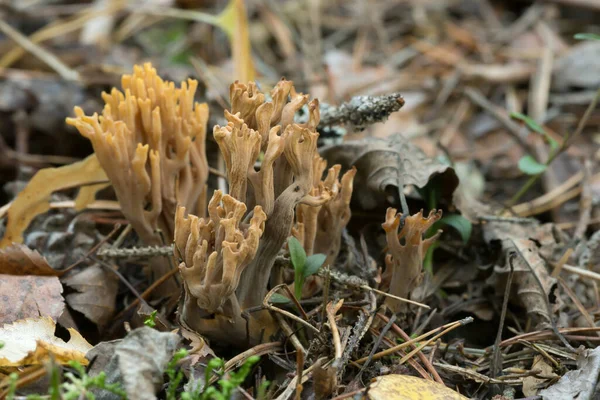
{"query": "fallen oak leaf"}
(382, 163)
(30, 297)
(31, 341)
(97, 291)
(19, 259)
(35, 198)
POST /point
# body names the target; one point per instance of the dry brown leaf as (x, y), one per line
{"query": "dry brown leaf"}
(404, 387)
(30, 297)
(97, 293)
(200, 350)
(531, 384)
(527, 246)
(380, 163)
(19, 259)
(35, 198)
(31, 341)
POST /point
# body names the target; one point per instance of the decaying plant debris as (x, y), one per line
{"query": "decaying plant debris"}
(412, 211)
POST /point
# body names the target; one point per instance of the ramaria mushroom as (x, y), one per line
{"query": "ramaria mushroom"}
(285, 179)
(213, 252)
(404, 262)
(150, 140)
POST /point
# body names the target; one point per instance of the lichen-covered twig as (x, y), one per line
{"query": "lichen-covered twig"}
(360, 111)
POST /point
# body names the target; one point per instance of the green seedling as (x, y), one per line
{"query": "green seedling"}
(587, 36)
(528, 164)
(303, 266)
(151, 320)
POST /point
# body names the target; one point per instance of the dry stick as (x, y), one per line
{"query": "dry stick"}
(545, 297)
(26, 377)
(540, 335)
(447, 328)
(462, 322)
(272, 308)
(523, 208)
(48, 58)
(413, 363)
(122, 278)
(305, 376)
(561, 263)
(514, 129)
(258, 350)
(146, 293)
(496, 365)
(369, 358)
(92, 250)
(575, 300)
(422, 357)
(585, 202)
(361, 284)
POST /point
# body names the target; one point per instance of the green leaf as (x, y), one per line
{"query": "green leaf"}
(460, 223)
(530, 166)
(313, 263)
(587, 36)
(297, 253)
(534, 126)
(279, 299)
(531, 124)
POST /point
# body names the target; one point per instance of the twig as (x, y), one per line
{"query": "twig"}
(93, 249)
(446, 328)
(136, 252)
(272, 308)
(369, 358)
(563, 147)
(48, 58)
(422, 357)
(496, 363)
(357, 282)
(358, 332)
(462, 322)
(514, 129)
(293, 383)
(360, 111)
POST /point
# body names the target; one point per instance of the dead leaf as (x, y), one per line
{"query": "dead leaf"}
(19, 259)
(97, 289)
(137, 361)
(31, 341)
(325, 381)
(579, 68)
(380, 163)
(531, 384)
(580, 383)
(404, 387)
(35, 198)
(200, 350)
(30, 297)
(530, 244)
(234, 21)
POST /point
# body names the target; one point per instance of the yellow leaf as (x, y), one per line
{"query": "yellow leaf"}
(35, 198)
(234, 21)
(404, 387)
(87, 195)
(31, 341)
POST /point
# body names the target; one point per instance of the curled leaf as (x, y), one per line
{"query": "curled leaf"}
(35, 198)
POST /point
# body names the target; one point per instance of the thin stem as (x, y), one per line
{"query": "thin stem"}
(564, 146)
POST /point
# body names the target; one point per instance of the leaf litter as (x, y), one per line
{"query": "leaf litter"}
(418, 98)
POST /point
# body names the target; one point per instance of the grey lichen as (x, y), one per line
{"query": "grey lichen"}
(360, 111)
